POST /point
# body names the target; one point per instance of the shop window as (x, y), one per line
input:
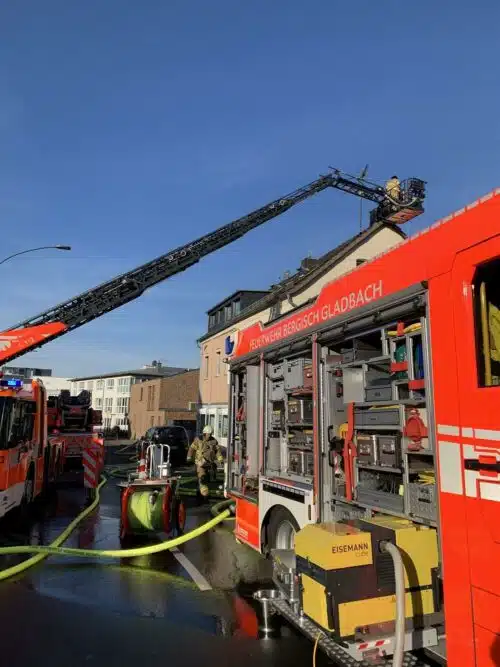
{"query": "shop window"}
(486, 295)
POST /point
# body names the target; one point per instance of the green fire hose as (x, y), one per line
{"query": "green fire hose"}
(55, 549)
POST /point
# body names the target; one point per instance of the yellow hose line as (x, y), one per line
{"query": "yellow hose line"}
(60, 539)
(56, 550)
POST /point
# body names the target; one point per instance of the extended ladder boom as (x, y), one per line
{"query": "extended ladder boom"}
(85, 307)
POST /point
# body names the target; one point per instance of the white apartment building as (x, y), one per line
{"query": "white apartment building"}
(54, 385)
(111, 391)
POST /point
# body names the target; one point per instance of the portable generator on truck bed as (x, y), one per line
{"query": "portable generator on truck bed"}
(339, 582)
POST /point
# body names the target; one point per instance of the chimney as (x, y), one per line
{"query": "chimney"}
(308, 263)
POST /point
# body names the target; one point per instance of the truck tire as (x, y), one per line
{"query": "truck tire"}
(47, 470)
(281, 529)
(29, 490)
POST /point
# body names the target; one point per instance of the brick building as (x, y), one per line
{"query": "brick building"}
(163, 401)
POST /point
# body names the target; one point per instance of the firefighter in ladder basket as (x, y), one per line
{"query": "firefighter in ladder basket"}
(207, 454)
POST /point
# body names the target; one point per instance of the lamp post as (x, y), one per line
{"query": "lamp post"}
(43, 247)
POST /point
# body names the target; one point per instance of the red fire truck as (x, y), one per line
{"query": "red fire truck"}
(372, 416)
(28, 461)
(71, 420)
(71, 424)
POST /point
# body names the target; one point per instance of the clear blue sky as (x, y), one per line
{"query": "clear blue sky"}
(128, 128)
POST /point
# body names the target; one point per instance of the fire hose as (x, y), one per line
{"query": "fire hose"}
(55, 549)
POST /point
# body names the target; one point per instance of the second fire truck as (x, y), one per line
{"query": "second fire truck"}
(29, 462)
(72, 424)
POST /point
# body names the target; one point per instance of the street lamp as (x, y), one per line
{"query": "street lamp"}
(43, 247)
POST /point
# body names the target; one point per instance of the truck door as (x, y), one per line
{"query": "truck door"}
(476, 306)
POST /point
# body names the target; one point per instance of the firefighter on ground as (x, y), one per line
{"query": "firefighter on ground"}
(393, 188)
(207, 454)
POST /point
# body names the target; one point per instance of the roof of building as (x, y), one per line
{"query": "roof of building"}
(173, 376)
(233, 296)
(310, 270)
(162, 371)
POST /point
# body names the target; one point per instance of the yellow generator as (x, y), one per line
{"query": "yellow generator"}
(347, 583)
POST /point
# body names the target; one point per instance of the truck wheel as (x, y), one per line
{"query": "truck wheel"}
(281, 529)
(29, 489)
(180, 517)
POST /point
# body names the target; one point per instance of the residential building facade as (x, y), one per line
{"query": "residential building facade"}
(25, 373)
(293, 292)
(213, 372)
(111, 391)
(165, 401)
(54, 385)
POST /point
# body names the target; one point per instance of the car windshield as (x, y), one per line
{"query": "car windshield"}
(170, 434)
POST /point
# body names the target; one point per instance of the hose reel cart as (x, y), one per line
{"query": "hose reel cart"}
(150, 501)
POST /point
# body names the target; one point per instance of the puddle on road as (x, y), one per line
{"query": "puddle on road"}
(149, 586)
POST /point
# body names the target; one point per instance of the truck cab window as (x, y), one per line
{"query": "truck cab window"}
(486, 295)
(21, 427)
(6, 405)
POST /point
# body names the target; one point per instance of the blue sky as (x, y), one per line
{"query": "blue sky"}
(128, 128)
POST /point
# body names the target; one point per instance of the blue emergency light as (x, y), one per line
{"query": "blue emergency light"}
(11, 383)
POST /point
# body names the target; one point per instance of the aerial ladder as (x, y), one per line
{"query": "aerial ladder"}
(77, 311)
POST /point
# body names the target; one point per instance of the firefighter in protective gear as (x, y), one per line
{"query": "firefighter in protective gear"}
(207, 454)
(393, 188)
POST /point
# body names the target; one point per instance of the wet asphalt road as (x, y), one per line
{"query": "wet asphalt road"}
(121, 612)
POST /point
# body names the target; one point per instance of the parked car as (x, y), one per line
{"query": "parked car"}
(175, 436)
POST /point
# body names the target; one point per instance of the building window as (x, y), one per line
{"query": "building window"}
(98, 403)
(141, 394)
(486, 295)
(275, 310)
(99, 385)
(121, 421)
(122, 405)
(108, 404)
(222, 426)
(217, 363)
(228, 312)
(90, 385)
(236, 307)
(106, 422)
(81, 386)
(206, 366)
(110, 383)
(151, 397)
(211, 321)
(152, 421)
(123, 385)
